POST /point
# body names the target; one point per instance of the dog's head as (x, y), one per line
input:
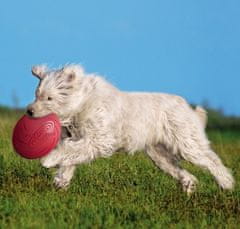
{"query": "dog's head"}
(57, 92)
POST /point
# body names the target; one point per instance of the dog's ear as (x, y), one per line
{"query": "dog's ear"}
(71, 72)
(70, 77)
(39, 71)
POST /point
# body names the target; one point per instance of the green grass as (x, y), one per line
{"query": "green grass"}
(119, 192)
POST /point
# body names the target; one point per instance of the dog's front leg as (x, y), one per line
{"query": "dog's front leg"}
(85, 150)
(64, 174)
(70, 152)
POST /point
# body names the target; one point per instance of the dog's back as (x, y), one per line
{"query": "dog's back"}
(202, 114)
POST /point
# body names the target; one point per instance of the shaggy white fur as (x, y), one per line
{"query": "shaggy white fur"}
(98, 120)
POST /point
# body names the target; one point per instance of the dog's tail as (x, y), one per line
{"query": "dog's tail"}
(202, 114)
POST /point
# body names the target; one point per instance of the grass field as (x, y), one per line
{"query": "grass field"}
(120, 192)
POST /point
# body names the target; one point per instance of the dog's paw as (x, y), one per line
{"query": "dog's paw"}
(61, 183)
(189, 184)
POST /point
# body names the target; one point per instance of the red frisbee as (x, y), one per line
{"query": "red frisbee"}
(36, 137)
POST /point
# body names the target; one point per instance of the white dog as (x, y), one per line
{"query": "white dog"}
(98, 120)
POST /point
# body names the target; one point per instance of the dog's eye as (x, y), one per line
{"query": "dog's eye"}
(49, 98)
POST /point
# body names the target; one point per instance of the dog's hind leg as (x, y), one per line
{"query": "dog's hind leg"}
(165, 160)
(196, 150)
(209, 160)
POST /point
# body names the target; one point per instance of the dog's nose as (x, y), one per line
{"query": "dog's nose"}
(30, 112)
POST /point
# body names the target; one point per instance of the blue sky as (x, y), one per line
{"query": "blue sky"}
(188, 47)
